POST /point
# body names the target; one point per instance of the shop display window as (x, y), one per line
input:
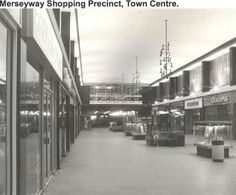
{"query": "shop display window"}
(206, 131)
(192, 116)
(218, 113)
(163, 118)
(217, 124)
(177, 118)
(63, 123)
(3, 104)
(29, 130)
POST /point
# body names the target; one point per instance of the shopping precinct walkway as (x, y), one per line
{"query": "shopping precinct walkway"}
(108, 163)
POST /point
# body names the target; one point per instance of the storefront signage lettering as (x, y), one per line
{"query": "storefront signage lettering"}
(193, 104)
(219, 99)
(222, 98)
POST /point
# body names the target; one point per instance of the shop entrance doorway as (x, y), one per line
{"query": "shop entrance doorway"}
(47, 134)
(191, 116)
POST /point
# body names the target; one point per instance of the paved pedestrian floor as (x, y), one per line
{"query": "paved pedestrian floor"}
(102, 162)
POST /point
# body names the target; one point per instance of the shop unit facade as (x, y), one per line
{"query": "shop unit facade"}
(40, 103)
(209, 78)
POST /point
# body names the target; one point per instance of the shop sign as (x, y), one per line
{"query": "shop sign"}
(193, 104)
(220, 99)
(217, 99)
(45, 36)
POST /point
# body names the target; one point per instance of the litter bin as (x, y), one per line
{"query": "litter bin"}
(218, 150)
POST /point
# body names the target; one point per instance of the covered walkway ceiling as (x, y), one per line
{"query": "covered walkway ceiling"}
(112, 38)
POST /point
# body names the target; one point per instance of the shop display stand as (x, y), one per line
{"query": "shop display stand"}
(205, 150)
(138, 132)
(209, 130)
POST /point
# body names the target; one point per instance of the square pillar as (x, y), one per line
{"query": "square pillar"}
(206, 84)
(186, 83)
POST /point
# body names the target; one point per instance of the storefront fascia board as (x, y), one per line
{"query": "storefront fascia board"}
(66, 61)
(204, 57)
(220, 98)
(200, 95)
(41, 39)
(35, 44)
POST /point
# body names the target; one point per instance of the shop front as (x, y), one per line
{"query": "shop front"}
(63, 124)
(5, 103)
(219, 114)
(218, 119)
(193, 113)
(35, 107)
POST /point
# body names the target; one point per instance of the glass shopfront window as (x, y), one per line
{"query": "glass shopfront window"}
(192, 116)
(48, 129)
(218, 113)
(177, 117)
(163, 118)
(217, 123)
(47, 135)
(63, 124)
(29, 130)
(3, 104)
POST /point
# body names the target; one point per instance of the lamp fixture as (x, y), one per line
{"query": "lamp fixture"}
(165, 58)
(136, 78)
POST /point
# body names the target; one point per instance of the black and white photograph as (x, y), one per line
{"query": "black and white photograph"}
(117, 97)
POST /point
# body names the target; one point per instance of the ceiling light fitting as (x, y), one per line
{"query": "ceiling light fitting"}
(165, 58)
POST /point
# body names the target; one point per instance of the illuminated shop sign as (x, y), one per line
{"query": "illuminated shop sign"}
(193, 104)
(218, 99)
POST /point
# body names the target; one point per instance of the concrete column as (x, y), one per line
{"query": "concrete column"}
(185, 83)
(179, 85)
(72, 57)
(65, 31)
(206, 84)
(171, 89)
(233, 118)
(162, 91)
(158, 93)
(57, 14)
(154, 94)
(232, 61)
